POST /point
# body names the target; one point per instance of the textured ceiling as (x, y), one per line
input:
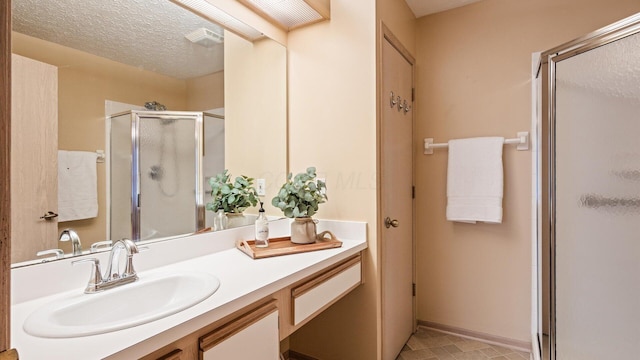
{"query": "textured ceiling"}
(426, 7)
(612, 69)
(148, 34)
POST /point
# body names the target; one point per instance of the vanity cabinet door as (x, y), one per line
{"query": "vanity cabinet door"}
(253, 335)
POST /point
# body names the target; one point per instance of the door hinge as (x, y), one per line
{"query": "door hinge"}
(413, 192)
(413, 94)
(413, 289)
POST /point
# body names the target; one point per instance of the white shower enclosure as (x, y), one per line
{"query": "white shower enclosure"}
(156, 181)
(589, 241)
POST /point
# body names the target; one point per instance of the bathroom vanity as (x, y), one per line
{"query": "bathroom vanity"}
(258, 303)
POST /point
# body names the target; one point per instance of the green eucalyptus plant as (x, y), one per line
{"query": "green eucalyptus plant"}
(232, 197)
(300, 196)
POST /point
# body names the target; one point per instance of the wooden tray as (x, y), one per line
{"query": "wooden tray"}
(284, 246)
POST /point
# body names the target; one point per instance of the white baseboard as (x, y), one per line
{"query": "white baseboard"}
(476, 335)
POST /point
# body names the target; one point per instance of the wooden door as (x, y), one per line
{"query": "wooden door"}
(34, 157)
(396, 198)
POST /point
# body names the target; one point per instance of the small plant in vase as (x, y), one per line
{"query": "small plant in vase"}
(233, 198)
(299, 198)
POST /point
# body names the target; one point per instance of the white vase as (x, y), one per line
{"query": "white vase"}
(235, 220)
(303, 230)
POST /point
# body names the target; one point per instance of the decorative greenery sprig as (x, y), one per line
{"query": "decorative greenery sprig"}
(232, 197)
(300, 195)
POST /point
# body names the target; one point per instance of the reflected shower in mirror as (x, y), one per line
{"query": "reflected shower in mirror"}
(160, 163)
(108, 57)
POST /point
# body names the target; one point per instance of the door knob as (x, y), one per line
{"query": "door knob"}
(389, 223)
(49, 215)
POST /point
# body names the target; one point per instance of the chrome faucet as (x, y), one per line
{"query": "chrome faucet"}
(112, 277)
(71, 235)
(113, 269)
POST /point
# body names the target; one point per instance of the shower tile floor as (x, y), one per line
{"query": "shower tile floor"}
(427, 344)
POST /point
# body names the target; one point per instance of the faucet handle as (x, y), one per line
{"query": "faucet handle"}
(57, 252)
(131, 249)
(97, 246)
(96, 275)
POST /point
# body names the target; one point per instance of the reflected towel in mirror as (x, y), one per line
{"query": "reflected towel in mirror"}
(77, 185)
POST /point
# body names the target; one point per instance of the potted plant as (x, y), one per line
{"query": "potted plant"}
(299, 198)
(232, 197)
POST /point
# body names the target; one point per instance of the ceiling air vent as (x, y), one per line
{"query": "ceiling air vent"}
(205, 37)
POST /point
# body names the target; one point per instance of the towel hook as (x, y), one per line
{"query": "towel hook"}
(407, 107)
(392, 101)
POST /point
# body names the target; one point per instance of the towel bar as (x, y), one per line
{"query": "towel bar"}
(521, 142)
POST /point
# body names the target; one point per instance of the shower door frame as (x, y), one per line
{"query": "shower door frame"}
(138, 116)
(546, 198)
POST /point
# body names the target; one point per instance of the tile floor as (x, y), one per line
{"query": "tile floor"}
(427, 344)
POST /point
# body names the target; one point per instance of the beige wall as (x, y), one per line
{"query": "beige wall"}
(473, 79)
(332, 125)
(256, 113)
(85, 82)
(205, 92)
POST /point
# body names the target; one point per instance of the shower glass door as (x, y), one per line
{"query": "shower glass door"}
(597, 202)
(168, 181)
(156, 181)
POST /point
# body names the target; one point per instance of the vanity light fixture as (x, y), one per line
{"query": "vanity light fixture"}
(290, 14)
(211, 12)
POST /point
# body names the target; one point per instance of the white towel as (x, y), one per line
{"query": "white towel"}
(77, 185)
(475, 180)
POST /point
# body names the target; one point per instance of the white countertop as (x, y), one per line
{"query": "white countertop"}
(243, 281)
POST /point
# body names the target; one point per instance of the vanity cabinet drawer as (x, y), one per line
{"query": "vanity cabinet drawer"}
(318, 293)
(253, 335)
(174, 355)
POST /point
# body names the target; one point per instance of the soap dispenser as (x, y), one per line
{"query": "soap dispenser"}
(262, 228)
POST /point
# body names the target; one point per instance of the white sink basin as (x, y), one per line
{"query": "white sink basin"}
(148, 299)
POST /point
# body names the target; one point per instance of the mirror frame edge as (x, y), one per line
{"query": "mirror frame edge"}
(5, 177)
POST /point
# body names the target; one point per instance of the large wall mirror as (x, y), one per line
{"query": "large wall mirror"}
(88, 59)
